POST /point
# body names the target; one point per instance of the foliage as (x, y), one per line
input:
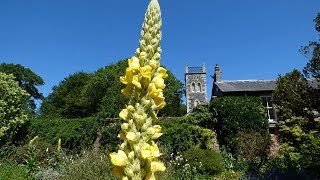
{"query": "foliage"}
(292, 96)
(173, 92)
(88, 94)
(13, 101)
(253, 149)
(76, 134)
(205, 160)
(201, 116)
(299, 129)
(92, 165)
(108, 139)
(65, 100)
(27, 80)
(179, 136)
(312, 52)
(13, 171)
(237, 114)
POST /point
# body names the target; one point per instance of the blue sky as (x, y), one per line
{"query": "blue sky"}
(250, 39)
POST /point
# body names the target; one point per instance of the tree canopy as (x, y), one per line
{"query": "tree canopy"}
(27, 80)
(299, 128)
(312, 52)
(13, 103)
(99, 93)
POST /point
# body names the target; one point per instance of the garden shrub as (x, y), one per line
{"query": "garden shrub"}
(253, 149)
(179, 136)
(206, 161)
(108, 139)
(75, 134)
(201, 116)
(235, 114)
(14, 171)
(91, 165)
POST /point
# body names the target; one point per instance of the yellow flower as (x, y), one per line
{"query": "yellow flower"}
(146, 71)
(136, 81)
(118, 171)
(127, 79)
(125, 126)
(153, 91)
(119, 159)
(159, 101)
(153, 63)
(127, 90)
(157, 166)
(162, 72)
(124, 114)
(131, 136)
(157, 128)
(150, 176)
(159, 82)
(134, 63)
(148, 151)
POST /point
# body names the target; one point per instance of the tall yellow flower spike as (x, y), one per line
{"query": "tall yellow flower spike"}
(137, 157)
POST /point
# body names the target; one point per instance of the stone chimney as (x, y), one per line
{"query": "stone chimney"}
(217, 77)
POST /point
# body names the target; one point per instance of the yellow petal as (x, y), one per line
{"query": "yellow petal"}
(136, 82)
(127, 90)
(157, 128)
(124, 114)
(134, 63)
(146, 71)
(162, 72)
(159, 82)
(157, 166)
(127, 79)
(151, 131)
(153, 63)
(131, 136)
(119, 159)
(146, 151)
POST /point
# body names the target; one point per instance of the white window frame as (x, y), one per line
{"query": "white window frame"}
(268, 108)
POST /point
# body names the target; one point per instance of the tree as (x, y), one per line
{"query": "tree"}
(27, 80)
(99, 93)
(292, 95)
(66, 98)
(237, 114)
(312, 52)
(13, 103)
(299, 129)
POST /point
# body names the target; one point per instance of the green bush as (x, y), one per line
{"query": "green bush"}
(109, 139)
(75, 134)
(201, 116)
(206, 161)
(16, 172)
(179, 136)
(253, 149)
(91, 165)
(236, 114)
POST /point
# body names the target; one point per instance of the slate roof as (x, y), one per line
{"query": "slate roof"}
(246, 85)
(254, 85)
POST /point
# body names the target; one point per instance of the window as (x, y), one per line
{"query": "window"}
(271, 113)
(193, 88)
(199, 87)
